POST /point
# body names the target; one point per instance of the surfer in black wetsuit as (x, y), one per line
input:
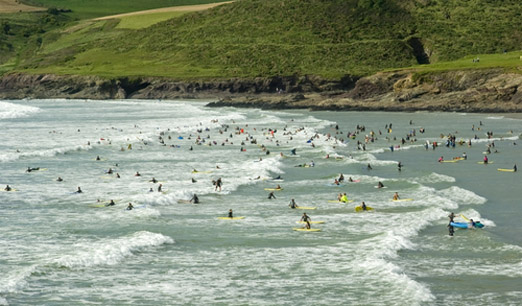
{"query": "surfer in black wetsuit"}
(130, 207)
(230, 215)
(380, 185)
(515, 168)
(59, 179)
(159, 187)
(271, 195)
(307, 219)
(363, 206)
(79, 190)
(194, 199)
(153, 180)
(451, 229)
(29, 169)
(193, 180)
(292, 204)
(341, 178)
(111, 203)
(8, 188)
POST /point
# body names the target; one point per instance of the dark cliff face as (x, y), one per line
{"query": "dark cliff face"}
(468, 91)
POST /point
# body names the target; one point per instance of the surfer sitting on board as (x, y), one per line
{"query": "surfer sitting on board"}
(230, 215)
(307, 219)
(59, 179)
(485, 159)
(137, 174)
(380, 185)
(130, 207)
(363, 206)
(515, 168)
(79, 190)
(292, 204)
(344, 198)
(153, 180)
(111, 203)
(341, 178)
(8, 188)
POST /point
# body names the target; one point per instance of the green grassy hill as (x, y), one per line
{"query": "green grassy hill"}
(251, 38)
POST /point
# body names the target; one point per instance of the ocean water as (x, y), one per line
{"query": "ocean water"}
(63, 248)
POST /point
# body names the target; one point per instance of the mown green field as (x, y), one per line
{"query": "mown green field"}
(146, 20)
(86, 9)
(251, 38)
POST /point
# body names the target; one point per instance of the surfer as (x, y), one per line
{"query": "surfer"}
(399, 166)
(292, 204)
(151, 190)
(153, 180)
(59, 179)
(130, 207)
(271, 195)
(341, 178)
(118, 175)
(464, 156)
(193, 180)
(515, 168)
(396, 196)
(485, 159)
(336, 182)
(441, 159)
(98, 157)
(194, 199)
(293, 151)
(111, 203)
(380, 185)
(8, 188)
(159, 187)
(278, 177)
(307, 219)
(218, 184)
(350, 179)
(451, 216)
(369, 167)
(451, 229)
(363, 206)
(29, 169)
(230, 214)
(137, 174)
(278, 187)
(79, 190)
(344, 198)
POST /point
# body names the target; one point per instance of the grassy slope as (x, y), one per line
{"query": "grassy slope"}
(275, 37)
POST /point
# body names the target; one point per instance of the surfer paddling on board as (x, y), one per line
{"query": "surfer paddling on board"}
(307, 219)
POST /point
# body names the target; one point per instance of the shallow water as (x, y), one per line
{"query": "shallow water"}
(63, 248)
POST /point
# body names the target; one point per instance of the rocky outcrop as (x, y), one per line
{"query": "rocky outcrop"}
(466, 91)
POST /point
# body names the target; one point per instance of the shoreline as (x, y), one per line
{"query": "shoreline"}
(474, 91)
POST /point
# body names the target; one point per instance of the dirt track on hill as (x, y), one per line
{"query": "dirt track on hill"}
(12, 6)
(184, 8)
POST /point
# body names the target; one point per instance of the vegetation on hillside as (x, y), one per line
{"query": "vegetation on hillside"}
(251, 38)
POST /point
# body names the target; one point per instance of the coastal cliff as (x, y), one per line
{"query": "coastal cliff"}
(492, 90)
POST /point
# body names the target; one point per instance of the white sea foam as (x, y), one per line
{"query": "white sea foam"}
(462, 196)
(110, 251)
(12, 110)
(434, 178)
